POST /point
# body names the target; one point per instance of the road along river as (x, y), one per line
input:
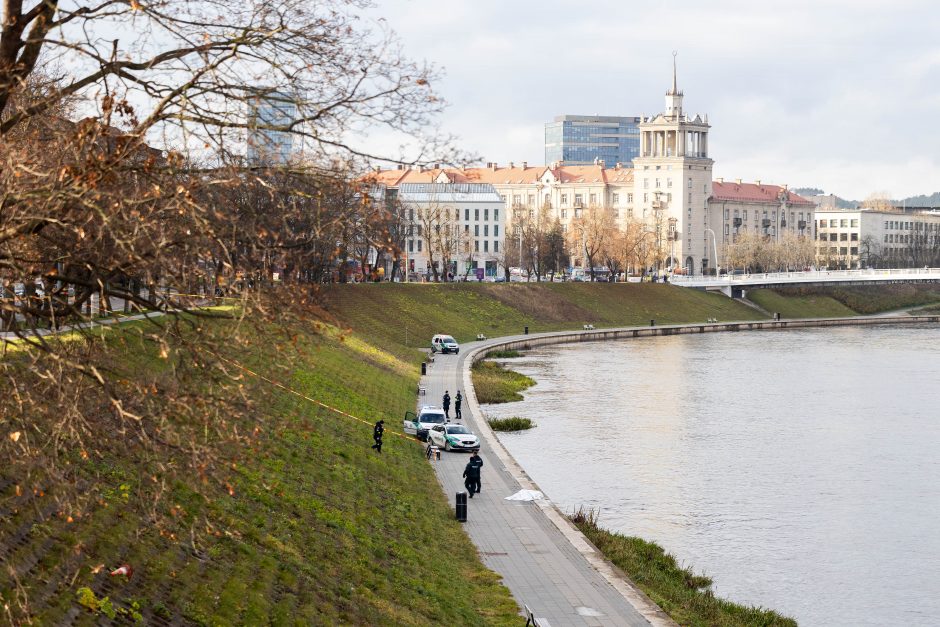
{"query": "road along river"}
(799, 468)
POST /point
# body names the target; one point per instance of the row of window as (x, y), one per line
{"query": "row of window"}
(907, 238)
(833, 237)
(840, 223)
(910, 226)
(417, 244)
(835, 250)
(578, 200)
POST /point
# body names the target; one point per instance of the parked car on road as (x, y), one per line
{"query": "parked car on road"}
(453, 437)
(427, 417)
(444, 344)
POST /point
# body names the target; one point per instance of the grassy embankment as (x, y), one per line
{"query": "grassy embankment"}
(682, 594)
(318, 528)
(825, 302)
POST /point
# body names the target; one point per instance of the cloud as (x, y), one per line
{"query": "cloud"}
(836, 94)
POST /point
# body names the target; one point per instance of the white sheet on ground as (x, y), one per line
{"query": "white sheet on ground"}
(526, 495)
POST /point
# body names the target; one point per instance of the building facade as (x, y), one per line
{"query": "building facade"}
(266, 112)
(454, 229)
(590, 139)
(861, 238)
(668, 194)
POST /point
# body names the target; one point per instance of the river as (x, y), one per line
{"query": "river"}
(799, 469)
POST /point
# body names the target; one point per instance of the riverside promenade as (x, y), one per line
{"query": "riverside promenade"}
(546, 563)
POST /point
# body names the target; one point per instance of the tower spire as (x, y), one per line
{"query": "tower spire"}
(675, 87)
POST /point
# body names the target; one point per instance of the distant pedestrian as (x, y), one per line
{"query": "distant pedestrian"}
(377, 433)
(446, 404)
(457, 401)
(477, 462)
(471, 476)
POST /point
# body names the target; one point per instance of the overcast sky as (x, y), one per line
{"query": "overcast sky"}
(838, 94)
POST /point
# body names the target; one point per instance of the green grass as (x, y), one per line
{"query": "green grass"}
(682, 594)
(495, 384)
(513, 423)
(799, 306)
(503, 354)
(318, 528)
(821, 302)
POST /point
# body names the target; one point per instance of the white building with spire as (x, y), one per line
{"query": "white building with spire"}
(669, 190)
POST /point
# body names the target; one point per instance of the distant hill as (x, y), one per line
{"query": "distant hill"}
(933, 200)
(921, 201)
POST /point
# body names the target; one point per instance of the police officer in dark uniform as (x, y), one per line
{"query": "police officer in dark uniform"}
(377, 432)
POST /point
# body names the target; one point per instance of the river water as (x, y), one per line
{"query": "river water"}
(799, 469)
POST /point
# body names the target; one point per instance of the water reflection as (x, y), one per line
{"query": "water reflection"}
(797, 468)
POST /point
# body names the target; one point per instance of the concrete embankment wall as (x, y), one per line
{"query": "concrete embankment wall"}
(603, 335)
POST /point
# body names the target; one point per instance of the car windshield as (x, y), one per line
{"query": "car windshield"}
(457, 429)
(435, 418)
(448, 339)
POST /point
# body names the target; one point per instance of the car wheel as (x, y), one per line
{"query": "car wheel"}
(457, 352)
(447, 446)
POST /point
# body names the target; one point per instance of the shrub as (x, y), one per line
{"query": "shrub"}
(514, 423)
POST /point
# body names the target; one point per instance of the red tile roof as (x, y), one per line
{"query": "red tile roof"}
(752, 192)
(516, 175)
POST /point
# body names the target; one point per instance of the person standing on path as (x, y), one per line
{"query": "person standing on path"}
(471, 476)
(457, 401)
(377, 432)
(477, 463)
(446, 405)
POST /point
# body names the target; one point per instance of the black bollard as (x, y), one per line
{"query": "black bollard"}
(527, 330)
(652, 323)
(776, 315)
(424, 368)
(461, 507)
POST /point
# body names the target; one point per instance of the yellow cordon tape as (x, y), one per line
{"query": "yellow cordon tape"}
(307, 398)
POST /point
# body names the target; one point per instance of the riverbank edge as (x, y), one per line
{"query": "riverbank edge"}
(616, 577)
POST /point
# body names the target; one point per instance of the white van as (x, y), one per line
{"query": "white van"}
(441, 343)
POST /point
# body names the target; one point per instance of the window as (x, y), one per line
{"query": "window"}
(466, 229)
(578, 200)
(466, 215)
(564, 199)
(745, 214)
(843, 251)
(502, 197)
(476, 230)
(496, 215)
(855, 223)
(577, 212)
(646, 197)
(690, 182)
(854, 237)
(727, 213)
(486, 246)
(564, 213)
(615, 199)
(476, 215)
(616, 212)
(853, 251)
(457, 215)
(516, 200)
(419, 246)
(486, 215)
(548, 200)
(629, 198)
(630, 212)
(657, 183)
(496, 246)
(843, 223)
(833, 236)
(411, 246)
(668, 183)
(495, 230)
(476, 245)
(646, 183)
(486, 230)
(843, 237)
(531, 199)
(833, 223)
(593, 200)
(690, 198)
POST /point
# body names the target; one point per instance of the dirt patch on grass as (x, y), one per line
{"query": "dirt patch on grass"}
(536, 301)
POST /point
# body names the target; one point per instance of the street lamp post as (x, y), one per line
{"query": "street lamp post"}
(715, 246)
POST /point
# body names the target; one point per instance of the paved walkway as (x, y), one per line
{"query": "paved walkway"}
(544, 561)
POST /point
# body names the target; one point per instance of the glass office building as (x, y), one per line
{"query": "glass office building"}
(580, 139)
(266, 146)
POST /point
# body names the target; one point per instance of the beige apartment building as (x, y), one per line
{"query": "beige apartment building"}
(861, 238)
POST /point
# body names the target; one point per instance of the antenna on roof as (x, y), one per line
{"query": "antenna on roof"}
(675, 88)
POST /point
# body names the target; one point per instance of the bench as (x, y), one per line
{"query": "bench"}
(480, 337)
(589, 327)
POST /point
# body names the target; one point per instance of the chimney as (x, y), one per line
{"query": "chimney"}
(618, 166)
(377, 169)
(600, 162)
(738, 181)
(511, 165)
(758, 182)
(720, 179)
(400, 166)
(437, 166)
(493, 166)
(525, 164)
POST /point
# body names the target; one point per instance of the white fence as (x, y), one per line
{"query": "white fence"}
(812, 276)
